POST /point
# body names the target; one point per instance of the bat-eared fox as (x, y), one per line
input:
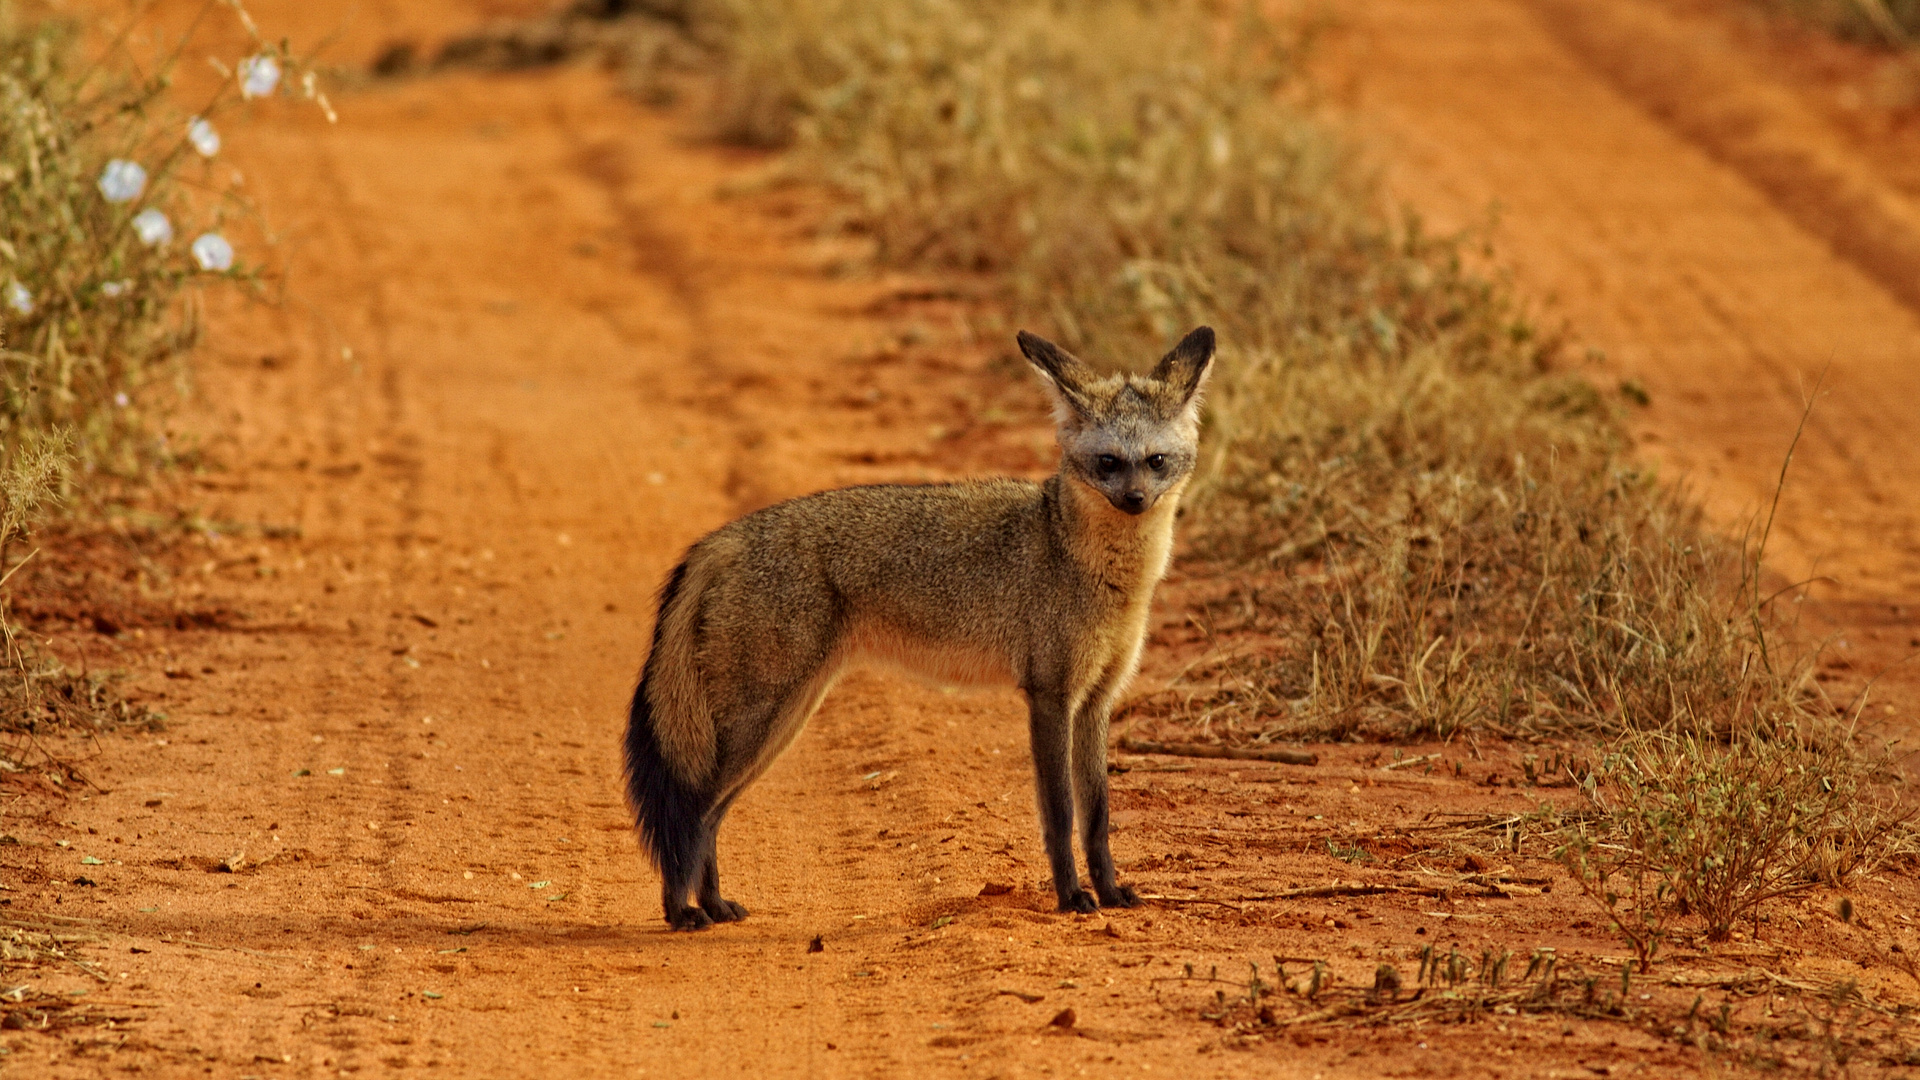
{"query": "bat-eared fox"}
(1041, 586)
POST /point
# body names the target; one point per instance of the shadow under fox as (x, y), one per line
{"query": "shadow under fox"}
(1000, 582)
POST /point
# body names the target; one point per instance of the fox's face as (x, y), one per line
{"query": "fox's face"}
(1132, 438)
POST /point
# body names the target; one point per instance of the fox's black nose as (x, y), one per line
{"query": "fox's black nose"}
(1133, 501)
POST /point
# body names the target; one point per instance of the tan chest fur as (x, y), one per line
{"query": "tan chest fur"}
(1126, 555)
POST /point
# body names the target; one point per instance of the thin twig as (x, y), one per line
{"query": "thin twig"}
(1351, 888)
(16, 566)
(1486, 885)
(83, 966)
(228, 948)
(1234, 753)
(1188, 900)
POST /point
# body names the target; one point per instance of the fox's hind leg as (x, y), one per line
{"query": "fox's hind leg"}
(718, 908)
(1090, 791)
(759, 729)
(680, 914)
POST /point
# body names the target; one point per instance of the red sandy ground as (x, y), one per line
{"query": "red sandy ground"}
(532, 348)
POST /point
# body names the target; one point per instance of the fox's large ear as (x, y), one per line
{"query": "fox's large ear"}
(1185, 369)
(1064, 373)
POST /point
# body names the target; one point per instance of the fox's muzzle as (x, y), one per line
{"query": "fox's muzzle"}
(1133, 502)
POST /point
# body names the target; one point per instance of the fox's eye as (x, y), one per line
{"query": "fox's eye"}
(1107, 463)
(1156, 462)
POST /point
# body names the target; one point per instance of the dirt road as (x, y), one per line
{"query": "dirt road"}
(536, 341)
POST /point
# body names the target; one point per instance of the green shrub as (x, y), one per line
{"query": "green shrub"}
(1679, 826)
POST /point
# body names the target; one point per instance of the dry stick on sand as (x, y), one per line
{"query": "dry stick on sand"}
(1268, 753)
(255, 953)
(1357, 888)
(1475, 885)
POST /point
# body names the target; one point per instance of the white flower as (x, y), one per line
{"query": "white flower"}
(204, 139)
(212, 252)
(122, 180)
(258, 76)
(121, 399)
(19, 299)
(115, 288)
(152, 227)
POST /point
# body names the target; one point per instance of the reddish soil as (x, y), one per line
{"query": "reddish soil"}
(538, 338)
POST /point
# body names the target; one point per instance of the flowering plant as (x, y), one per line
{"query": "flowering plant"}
(98, 180)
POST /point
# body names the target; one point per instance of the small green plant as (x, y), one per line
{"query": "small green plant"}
(1637, 898)
(1352, 853)
(1686, 825)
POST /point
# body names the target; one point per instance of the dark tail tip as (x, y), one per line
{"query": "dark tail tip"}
(668, 812)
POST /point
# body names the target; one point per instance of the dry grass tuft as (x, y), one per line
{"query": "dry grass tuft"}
(46, 942)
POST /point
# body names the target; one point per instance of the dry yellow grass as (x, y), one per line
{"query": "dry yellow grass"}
(1440, 528)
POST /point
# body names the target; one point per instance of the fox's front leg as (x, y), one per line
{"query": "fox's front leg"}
(1090, 790)
(1049, 730)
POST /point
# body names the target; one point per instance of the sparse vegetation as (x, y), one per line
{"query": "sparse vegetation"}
(1685, 826)
(37, 690)
(110, 210)
(1428, 526)
(110, 206)
(38, 942)
(1832, 1022)
(1450, 986)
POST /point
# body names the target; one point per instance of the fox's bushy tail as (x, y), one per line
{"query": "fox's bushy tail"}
(669, 811)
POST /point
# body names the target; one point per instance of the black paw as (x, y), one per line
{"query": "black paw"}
(1119, 896)
(688, 918)
(722, 910)
(1080, 902)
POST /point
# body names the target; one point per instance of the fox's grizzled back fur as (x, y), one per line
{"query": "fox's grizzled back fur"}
(1042, 586)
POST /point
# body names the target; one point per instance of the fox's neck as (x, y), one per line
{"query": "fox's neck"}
(1125, 553)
